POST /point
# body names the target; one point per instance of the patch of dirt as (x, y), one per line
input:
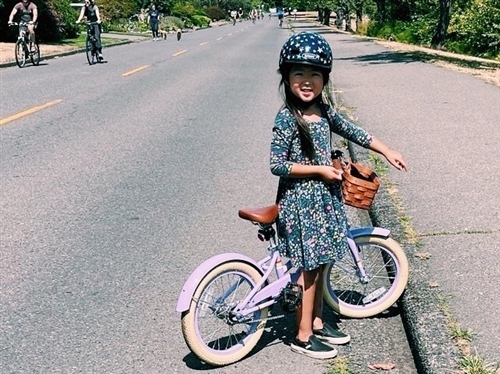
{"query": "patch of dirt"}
(488, 70)
(7, 50)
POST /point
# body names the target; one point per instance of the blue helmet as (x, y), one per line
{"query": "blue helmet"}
(308, 48)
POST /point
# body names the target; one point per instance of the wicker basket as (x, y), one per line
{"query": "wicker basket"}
(359, 185)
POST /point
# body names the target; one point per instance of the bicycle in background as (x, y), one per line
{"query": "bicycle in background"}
(91, 44)
(25, 49)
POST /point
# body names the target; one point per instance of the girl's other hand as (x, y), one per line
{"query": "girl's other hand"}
(330, 174)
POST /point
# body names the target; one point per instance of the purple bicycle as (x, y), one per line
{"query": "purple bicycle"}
(226, 300)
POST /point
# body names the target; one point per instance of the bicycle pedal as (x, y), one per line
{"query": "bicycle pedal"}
(291, 297)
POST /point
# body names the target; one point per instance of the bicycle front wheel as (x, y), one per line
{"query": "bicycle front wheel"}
(89, 50)
(35, 54)
(386, 267)
(20, 51)
(208, 327)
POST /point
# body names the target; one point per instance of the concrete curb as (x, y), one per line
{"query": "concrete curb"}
(423, 317)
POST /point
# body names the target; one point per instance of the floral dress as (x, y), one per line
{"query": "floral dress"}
(312, 224)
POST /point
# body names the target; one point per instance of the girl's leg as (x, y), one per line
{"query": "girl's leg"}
(317, 322)
(322, 330)
(305, 312)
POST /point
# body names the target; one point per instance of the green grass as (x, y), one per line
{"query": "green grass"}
(79, 42)
(339, 366)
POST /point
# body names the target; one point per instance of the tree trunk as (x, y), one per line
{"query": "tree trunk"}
(326, 15)
(359, 17)
(439, 36)
(320, 15)
(381, 10)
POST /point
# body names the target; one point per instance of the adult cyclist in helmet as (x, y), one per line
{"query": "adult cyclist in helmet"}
(29, 14)
(91, 12)
(312, 224)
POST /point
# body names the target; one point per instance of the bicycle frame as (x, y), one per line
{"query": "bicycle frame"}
(265, 294)
(91, 30)
(23, 32)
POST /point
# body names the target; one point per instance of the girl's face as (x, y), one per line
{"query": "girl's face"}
(306, 82)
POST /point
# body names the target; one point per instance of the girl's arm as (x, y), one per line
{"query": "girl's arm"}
(327, 173)
(356, 134)
(393, 157)
(283, 134)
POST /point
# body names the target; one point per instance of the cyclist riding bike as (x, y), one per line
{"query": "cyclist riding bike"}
(91, 12)
(29, 14)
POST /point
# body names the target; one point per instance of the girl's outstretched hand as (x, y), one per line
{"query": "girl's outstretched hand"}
(396, 159)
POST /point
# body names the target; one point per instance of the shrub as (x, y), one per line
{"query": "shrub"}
(171, 23)
(57, 20)
(215, 13)
(200, 21)
(477, 29)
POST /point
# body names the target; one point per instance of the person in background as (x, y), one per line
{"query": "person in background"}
(29, 14)
(91, 12)
(153, 20)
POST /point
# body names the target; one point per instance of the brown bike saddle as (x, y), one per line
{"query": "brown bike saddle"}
(266, 215)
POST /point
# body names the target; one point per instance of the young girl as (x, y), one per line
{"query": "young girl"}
(312, 224)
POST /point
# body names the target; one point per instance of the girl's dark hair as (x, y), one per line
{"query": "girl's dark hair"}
(297, 106)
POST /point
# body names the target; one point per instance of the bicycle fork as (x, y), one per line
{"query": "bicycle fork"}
(360, 269)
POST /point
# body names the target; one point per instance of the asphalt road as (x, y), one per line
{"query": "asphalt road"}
(135, 173)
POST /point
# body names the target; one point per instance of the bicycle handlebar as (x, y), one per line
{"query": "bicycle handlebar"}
(22, 23)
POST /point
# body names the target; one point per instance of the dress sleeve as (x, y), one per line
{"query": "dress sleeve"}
(283, 133)
(349, 130)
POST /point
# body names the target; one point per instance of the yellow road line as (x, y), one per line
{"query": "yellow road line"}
(26, 112)
(134, 71)
(203, 43)
(180, 52)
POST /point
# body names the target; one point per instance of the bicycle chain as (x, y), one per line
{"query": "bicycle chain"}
(266, 319)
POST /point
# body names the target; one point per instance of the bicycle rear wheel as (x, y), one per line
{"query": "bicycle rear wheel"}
(89, 50)
(35, 54)
(207, 326)
(386, 266)
(20, 51)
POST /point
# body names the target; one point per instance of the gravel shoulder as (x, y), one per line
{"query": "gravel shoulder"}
(488, 70)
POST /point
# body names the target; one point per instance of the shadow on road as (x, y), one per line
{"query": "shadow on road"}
(280, 331)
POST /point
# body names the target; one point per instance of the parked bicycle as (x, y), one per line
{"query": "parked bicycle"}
(91, 44)
(225, 302)
(25, 49)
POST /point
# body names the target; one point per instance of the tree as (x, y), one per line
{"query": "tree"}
(114, 10)
(439, 36)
